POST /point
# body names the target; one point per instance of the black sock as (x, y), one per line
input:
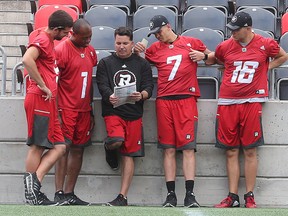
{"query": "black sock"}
(189, 185)
(170, 186)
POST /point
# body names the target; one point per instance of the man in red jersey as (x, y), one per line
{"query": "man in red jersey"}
(75, 59)
(243, 90)
(44, 132)
(176, 59)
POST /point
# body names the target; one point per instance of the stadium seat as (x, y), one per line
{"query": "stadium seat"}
(141, 33)
(74, 4)
(103, 38)
(107, 15)
(262, 18)
(284, 23)
(267, 34)
(211, 38)
(142, 16)
(209, 81)
(42, 15)
(220, 4)
(283, 41)
(281, 80)
(100, 54)
(204, 16)
(175, 5)
(270, 5)
(123, 4)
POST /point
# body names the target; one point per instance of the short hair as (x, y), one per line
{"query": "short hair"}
(60, 19)
(124, 31)
(78, 24)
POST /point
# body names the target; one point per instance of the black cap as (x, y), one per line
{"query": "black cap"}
(156, 23)
(239, 20)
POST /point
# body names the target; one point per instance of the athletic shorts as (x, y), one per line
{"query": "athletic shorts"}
(128, 132)
(177, 122)
(239, 125)
(42, 120)
(76, 127)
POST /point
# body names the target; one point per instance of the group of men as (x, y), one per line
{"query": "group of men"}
(60, 117)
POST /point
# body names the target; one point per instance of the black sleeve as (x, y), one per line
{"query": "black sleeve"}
(147, 78)
(102, 80)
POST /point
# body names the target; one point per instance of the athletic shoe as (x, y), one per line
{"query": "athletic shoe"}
(120, 200)
(60, 198)
(190, 201)
(32, 188)
(43, 200)
(72, 199)
(171, 200)
(249, 200)
(112, 158)
(232, 200)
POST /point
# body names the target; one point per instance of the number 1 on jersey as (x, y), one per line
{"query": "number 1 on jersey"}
(84, 86)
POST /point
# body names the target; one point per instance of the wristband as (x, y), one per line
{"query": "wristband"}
(205, 57)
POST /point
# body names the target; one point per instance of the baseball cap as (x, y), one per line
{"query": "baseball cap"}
(156, 23)
(239, 20)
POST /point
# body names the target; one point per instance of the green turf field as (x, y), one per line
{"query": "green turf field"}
(25, 210)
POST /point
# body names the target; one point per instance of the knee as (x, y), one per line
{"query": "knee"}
(113, 146)
(232, 153)
(61, 149)
(250, 153)
(170, 153)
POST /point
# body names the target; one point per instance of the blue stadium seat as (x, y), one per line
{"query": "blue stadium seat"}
(211, 38)
(123, 4)
(281, 74)
(220, 4)
(267, 34)
(100, 54)
(107, 15)
(271, 5)
(204, 16)
(209, 81)
(262, 18)
(142, 16)
(175, 5)
(141, 33)
(103, 38)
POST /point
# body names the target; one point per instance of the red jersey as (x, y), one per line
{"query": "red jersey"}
(177, 73)
(75, 78)
(46, 64)
(245, 74)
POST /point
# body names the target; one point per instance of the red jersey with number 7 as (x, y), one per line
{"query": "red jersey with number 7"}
(177, 73)
(246, 67)
(75, 77)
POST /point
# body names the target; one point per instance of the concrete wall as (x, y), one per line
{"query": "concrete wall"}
(99, 184)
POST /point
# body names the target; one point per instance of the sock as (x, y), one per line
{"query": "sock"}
(170, 186)
(189, 185)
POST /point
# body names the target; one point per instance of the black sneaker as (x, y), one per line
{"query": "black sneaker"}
(120, 200)
(32, 188)
(112, 158)
(60, 198)
(171, 200)
(43, 200)
(72, 199)
(190, 201)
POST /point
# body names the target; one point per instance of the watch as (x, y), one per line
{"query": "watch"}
(205, 57)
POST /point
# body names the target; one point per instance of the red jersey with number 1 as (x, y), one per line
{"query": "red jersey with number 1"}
(177, 73)
(75, 78)
(246, 67)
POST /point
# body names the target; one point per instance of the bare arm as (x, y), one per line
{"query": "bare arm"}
(279, 59)
(29, 61)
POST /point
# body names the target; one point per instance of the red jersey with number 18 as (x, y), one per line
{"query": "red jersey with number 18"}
(245, 74)
(75, 77)
(177, 73)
